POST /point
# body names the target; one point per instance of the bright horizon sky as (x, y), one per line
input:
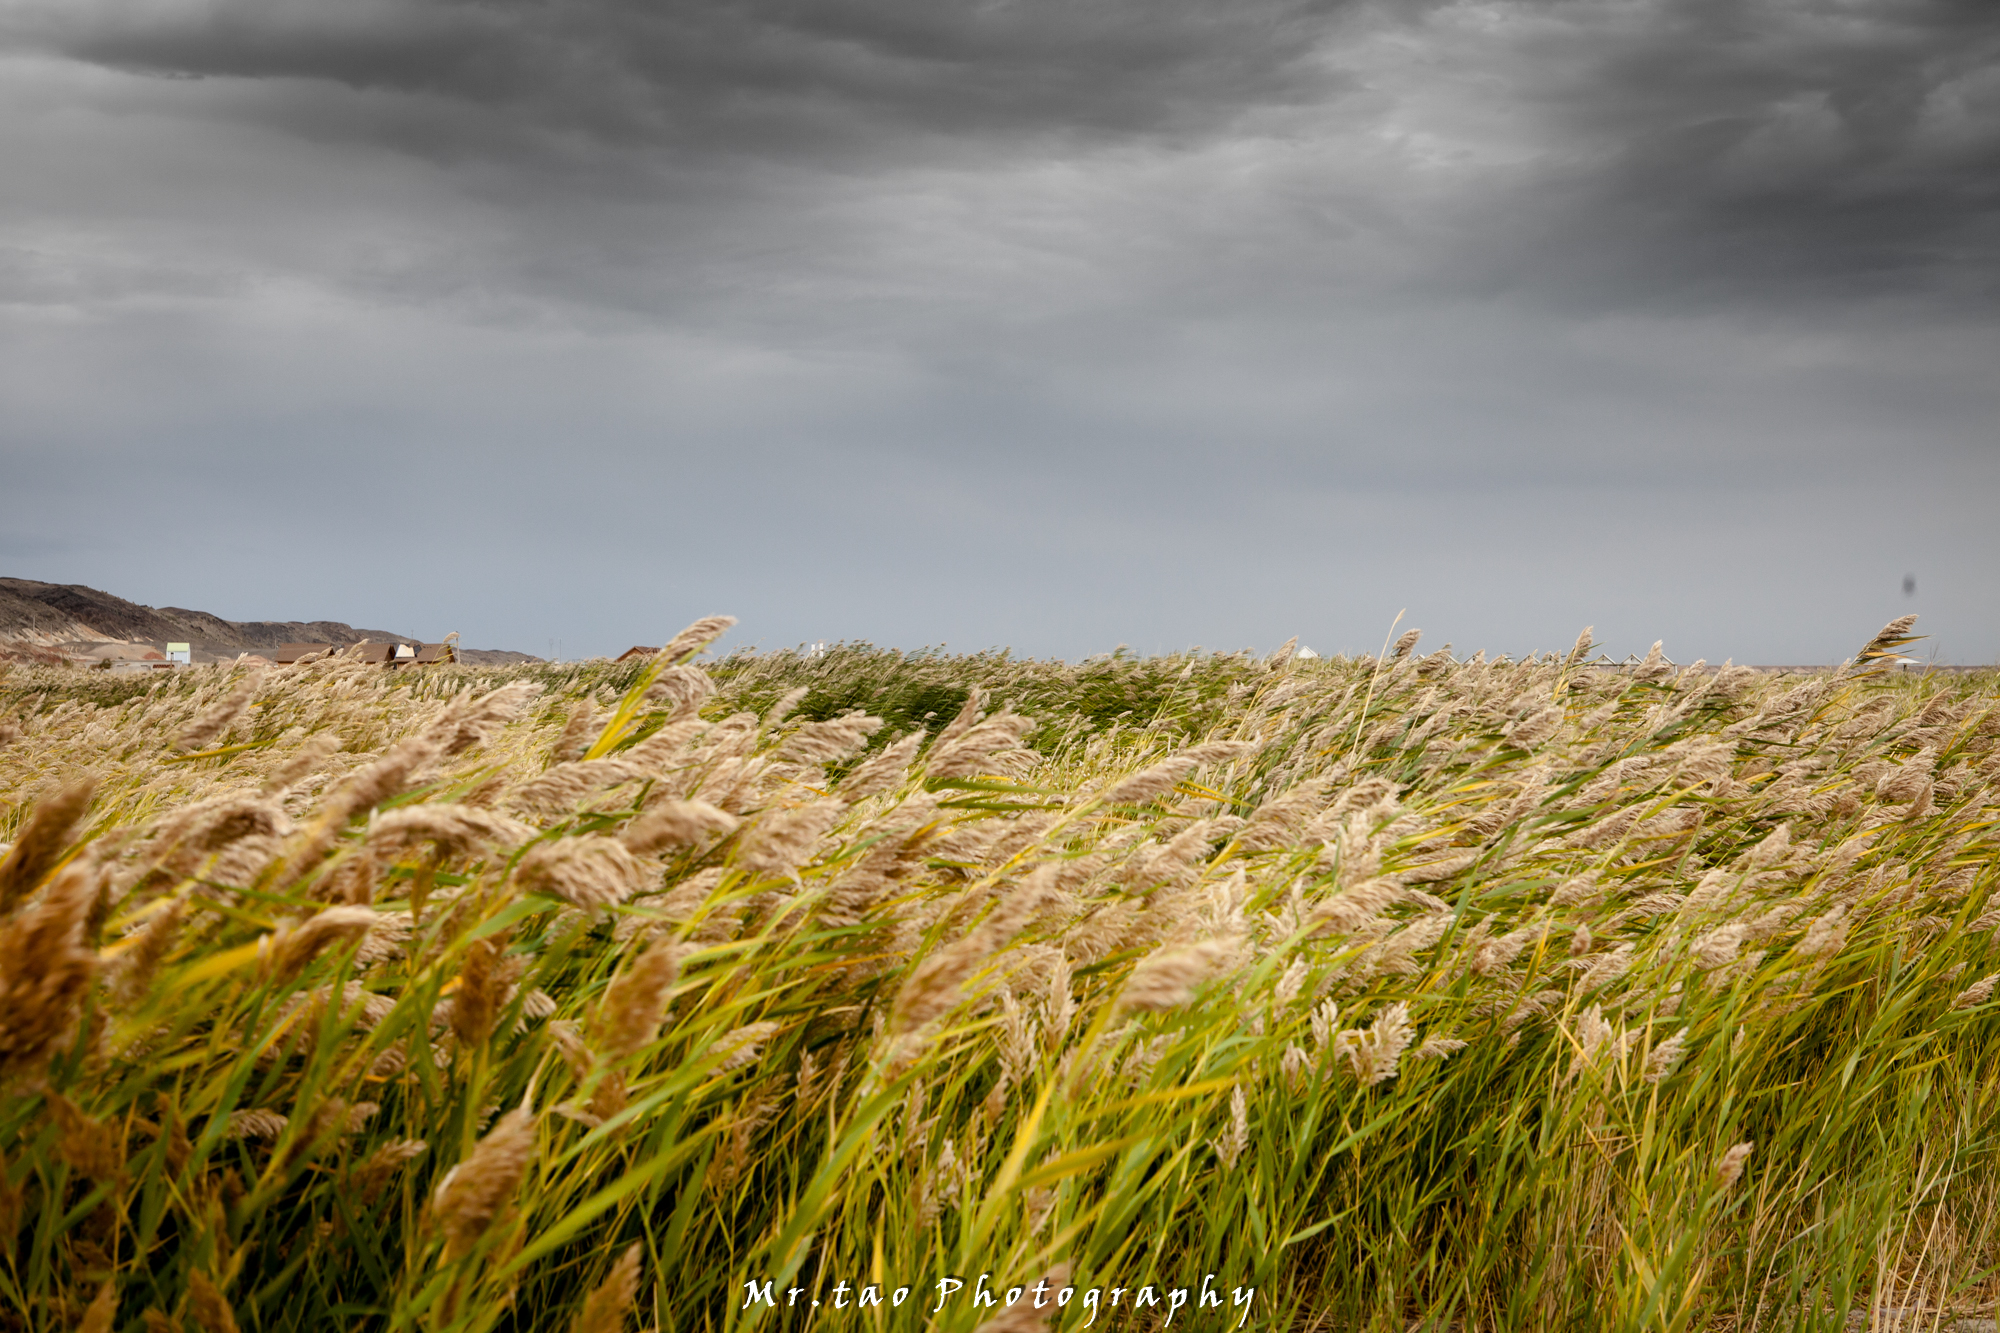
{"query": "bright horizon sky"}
(1019, 323)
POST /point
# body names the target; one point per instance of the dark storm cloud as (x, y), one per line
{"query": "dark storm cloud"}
(759, 76)
(1693, 152)
(1827, 149)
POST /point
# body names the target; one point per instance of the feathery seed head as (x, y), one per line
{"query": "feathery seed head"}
(605, 1308)
(102, 1314)
(685, 688)
(591, 872)
(1373, 1055)
(636, 1002)
(218, 718)
(1773, 849)
(1890, 641)
(829, 741)
(454, 829)
(1291, 983)
(1437, 1048)
(300, 764)
(467, 722)
(377, 1169)
(287, 950)
(1718, 947)
(1220, 752)
(45, 971)
(743, 1045)
(42, 842)
(1535, 728)
(1345, 912)
(780, 841)
(207, 1306)
(1231, 1145)
(474, 1193)
(1825, 935)
(574, 740)
(1167, 977)
(1730, 1168)
(672, 825)
(1665, 1057)
(254, 1123)
(1150, 783)
(694, 638)
(1978, 993)
(87, 1144)
(882, 770)
(485, 981)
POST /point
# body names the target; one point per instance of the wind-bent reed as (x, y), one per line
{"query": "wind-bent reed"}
(1388, 994)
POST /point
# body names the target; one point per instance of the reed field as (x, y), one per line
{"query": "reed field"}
(1205, 991)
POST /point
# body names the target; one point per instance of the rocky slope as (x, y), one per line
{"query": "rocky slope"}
(68, 621)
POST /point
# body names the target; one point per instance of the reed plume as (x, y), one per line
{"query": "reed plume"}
(467, 722)
(683, 688)
(1730, 1169)
(1167, 977)
(694, 638)
(883, 770)
(1978, 993)
(48, 833)
(1665, 1057)
(636, 1001)
(474, 1194)
(300, 764)
(782, 840)
(576, 732)
(101, 1316)
(672, 825)
(591, 872)
(207, 1306)
(381, 1165)
(1375, 1054)
(1889, 641)
(829, 741)
(289, 949)
(45, 973)
(87, 1144)
(1150, 783)
(607, 1305)
(485, 980)
(221, 715)
(453, 829)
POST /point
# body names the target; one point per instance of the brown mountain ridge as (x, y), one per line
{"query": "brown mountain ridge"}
(50, 621)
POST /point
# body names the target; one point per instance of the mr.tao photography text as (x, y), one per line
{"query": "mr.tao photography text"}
(1157, 1300)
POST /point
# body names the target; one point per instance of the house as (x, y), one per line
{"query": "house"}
(634, 653)
(392, 654)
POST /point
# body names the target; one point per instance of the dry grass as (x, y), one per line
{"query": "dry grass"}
(1411, 993)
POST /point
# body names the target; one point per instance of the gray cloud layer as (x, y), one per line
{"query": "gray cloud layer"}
(1033, 322)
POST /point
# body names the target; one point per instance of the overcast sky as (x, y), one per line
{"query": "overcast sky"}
(1054, 324)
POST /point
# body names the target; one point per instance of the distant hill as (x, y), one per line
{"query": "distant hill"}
(54, 621)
